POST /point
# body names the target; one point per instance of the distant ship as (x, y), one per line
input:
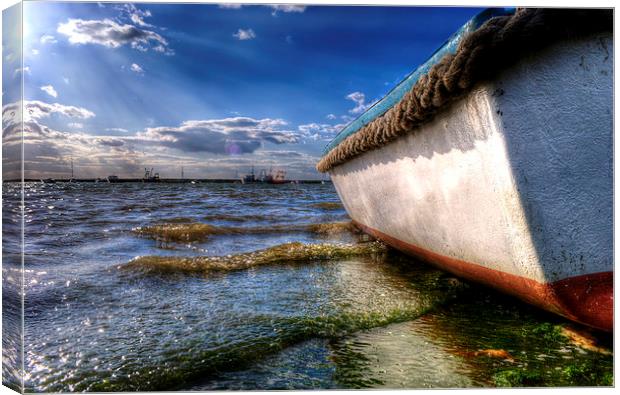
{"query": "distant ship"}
(275, 176)
(149, 176)
(249, 178)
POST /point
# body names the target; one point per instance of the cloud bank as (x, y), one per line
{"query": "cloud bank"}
(211, 148)
(238, 135)
(111, 34)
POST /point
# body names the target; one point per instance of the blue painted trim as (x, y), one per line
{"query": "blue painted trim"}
(394, 96)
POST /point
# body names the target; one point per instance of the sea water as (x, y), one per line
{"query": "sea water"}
(207, 286)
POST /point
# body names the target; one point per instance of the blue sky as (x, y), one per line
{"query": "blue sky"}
(118, 87)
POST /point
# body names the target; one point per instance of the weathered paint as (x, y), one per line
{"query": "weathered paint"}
(514, 178)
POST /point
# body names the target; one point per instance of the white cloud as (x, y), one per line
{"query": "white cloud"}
(66, 80)
(233, 6)
(49, 90)
(111, 34)
(136, 68)
(48, 39)
(117, 130)
(316, 131)
(24, 70)
(35, 51)
(287, 8)
(137, 19)
(360, 102)
(330, 116)
(244, 34)
(75, 125)
(135, 14)
(35, 109)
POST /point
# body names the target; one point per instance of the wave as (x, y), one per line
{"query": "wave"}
(328, 206)
(196, 232)
(236, 218)
(294, 252)
(177, 220)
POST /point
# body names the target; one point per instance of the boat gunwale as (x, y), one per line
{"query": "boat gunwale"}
(449, 46)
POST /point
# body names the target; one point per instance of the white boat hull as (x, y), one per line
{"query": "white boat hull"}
(511, 186)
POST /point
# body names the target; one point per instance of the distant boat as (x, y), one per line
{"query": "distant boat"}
(274, 176)
(49, 181)
(150, 176)
(112, 178)
(494, 159)
(249, 178)
(277, 176)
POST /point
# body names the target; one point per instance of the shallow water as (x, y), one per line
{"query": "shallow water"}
(100, 315)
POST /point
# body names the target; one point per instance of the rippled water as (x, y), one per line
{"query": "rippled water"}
(242, 304)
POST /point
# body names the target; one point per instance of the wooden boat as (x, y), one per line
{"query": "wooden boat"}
(493, 160)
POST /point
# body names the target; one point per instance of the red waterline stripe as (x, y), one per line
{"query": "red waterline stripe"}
(588, 299)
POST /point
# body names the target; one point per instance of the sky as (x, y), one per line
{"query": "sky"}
(215, 89)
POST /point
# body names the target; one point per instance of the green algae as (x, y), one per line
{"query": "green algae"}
(518, 378)
(294, 252)
(588, 372)
(566, 362)
(579, 365)
(328, 205)
(183, 232)
(547, 331)
(332, 228)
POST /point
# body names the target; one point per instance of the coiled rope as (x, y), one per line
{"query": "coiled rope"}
(499, 42)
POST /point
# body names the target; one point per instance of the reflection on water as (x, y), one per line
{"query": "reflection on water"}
(334, 314)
